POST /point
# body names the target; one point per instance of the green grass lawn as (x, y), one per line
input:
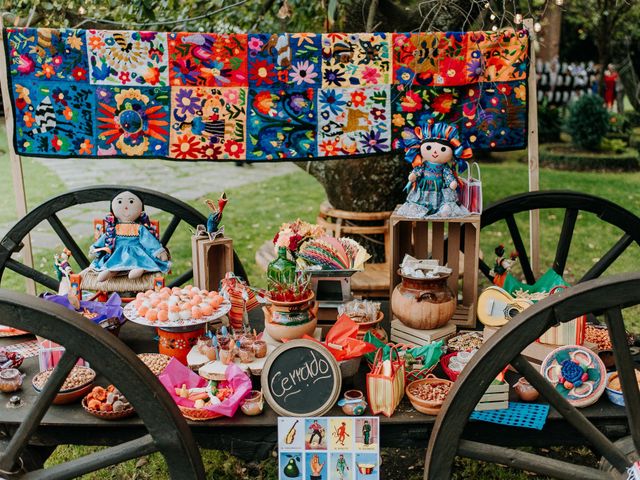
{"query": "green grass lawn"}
(255, 212)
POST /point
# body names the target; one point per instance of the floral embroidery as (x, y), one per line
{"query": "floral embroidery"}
(284, 59)
(348, 128)
(47, 54)
(53, 117)
(208, 59)
(132, 122)
(355, 59)
(208, 123)
(262, 96)
(281, 124)
(128, 58)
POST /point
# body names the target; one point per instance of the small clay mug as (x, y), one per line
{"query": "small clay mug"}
(525, 391)
(224, 342)
(260, 348)
(246, 354)
(353, 402)
(253, 404)
(226, 356)
(206, 348)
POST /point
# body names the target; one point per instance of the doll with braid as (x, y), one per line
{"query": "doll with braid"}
(127, 245)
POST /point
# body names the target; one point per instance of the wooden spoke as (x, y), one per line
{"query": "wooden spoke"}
(564, 243)
(608, 258)
(626, 371)
(529, 461)
(94, 461)
(29, 272)
(20, 439)
(521, 249)
(68, 241)
(170, 230)
(181, 279)
(571, 414)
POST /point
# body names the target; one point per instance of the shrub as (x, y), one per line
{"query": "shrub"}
(564, 157)
(549, 124)
(588, 122)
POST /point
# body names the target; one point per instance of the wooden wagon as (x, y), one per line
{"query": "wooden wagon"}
(28, 434)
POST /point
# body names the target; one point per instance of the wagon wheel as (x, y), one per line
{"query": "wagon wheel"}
(608, 296)
(168, 432)
(573, 203)
(48, 211)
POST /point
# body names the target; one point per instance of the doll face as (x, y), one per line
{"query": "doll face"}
(126, 207)
(435, 152)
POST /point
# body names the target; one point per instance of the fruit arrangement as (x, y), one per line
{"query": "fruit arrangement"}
(108, 399)
(176, 304)
(212, 394)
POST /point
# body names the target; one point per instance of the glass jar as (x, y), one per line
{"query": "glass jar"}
(10, 380)
(282, 270)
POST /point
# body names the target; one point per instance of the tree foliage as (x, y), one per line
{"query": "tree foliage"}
(588, 122)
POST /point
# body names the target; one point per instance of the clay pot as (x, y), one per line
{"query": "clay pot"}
(423, 303)
(525, 391)
(290, 320)
(353, 403)
(253, 404)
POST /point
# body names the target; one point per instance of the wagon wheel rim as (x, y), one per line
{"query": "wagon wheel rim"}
(168, 432)
(48, 212)
(608, 296)
(573, 203)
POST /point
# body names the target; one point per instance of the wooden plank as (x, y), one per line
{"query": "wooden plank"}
(437, 241)
(16, 162)
(453, 255)
(420, 239)
(471, 251)
(533, 156)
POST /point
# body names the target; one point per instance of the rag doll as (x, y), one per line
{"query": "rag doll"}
(127, 244)
(436, 154)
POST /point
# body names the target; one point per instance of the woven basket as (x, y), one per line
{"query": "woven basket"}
(423, 406)
(108, 415)
(444, 363)
(198, 414)
(414, 375)
(120, 284)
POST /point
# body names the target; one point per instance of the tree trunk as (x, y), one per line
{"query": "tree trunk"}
(550, 47)
(629, 80)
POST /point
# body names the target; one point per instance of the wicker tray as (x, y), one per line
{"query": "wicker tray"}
(198, 414)
(423, 406)
(108, 415)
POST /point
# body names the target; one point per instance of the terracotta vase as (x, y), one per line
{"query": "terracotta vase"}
(290, 320)
(423, 303)
(353, 403)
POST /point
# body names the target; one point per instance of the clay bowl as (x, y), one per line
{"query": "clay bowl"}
(71, 395)
(424, 406)
(290, 332)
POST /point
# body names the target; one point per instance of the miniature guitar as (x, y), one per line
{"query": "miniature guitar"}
(291, 435)
(496, 307)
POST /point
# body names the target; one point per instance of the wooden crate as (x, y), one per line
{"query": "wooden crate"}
(441, 239)
(211, 259)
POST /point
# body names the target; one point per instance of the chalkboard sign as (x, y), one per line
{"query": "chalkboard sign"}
(301, 378)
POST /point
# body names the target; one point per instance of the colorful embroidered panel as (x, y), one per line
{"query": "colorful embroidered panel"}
(260, 97)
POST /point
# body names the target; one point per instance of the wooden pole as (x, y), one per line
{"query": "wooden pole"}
(16, 161)
(534, 172)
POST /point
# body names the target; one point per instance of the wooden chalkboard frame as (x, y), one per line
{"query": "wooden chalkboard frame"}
(326, 355)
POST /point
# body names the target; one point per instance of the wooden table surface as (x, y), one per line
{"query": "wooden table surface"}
(255, 437)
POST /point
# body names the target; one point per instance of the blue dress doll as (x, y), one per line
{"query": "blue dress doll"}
(127, 244)
(435, 151)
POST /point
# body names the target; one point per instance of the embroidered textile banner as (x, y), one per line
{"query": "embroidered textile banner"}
(205, 96)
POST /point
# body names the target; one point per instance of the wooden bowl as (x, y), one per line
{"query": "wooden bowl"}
(423, 406)
(156, 362)
(107, 415)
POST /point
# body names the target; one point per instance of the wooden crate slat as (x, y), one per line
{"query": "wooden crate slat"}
(453, 255)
